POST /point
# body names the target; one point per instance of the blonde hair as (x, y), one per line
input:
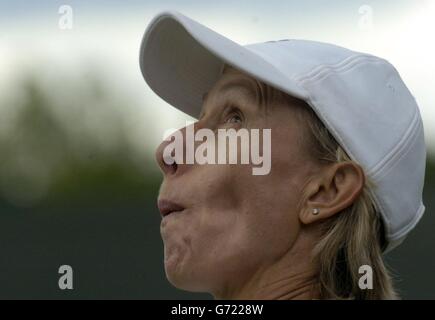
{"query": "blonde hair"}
(350, 239)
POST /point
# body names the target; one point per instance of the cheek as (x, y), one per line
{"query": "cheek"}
(269, 217)
(245, 221)
(218, 205)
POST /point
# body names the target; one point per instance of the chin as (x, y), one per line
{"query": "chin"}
(184, 278)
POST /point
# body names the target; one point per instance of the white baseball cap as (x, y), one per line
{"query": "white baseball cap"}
(360, 98)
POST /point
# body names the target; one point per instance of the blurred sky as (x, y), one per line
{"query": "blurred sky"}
(106, 35)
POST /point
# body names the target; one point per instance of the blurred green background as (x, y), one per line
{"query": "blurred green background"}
(78, 128)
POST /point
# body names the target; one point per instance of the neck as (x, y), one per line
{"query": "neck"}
(292, 276)
(285, 280)
(301, 286)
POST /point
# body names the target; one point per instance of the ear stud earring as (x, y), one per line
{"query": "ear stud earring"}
(316, 211)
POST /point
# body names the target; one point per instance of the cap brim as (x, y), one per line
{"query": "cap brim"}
(181, 59)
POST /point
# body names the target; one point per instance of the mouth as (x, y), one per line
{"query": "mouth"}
(167, 207)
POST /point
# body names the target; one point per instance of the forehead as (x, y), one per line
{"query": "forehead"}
(233, 80)
(233, 84)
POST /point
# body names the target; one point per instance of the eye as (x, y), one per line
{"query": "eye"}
(234, 116)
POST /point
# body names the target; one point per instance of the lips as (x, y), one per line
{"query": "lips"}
(167, 207)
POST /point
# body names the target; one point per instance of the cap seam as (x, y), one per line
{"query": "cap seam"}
(326, 69)
(409, 225)
(345, 68)
(400, 149)
(315, 70)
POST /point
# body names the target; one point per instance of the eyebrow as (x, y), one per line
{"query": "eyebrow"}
(248, 85)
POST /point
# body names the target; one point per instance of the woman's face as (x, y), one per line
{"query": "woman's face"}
(234, 223)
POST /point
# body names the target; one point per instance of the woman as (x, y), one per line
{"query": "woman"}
(347, 166)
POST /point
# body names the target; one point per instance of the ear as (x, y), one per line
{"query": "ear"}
(333, 189)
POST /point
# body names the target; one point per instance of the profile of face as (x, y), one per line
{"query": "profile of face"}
(232, 233)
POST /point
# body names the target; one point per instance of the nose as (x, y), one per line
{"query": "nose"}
(168, 165)
(178, 162)
(172, 159)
